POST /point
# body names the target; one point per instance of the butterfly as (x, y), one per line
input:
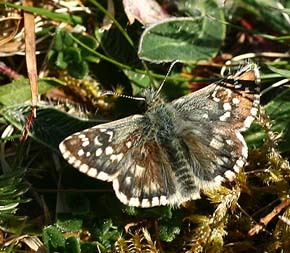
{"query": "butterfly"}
(174, 150)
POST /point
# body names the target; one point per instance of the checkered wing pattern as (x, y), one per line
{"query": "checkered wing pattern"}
(99, 151)
(212, 131)
(118, 152)
(174, 150)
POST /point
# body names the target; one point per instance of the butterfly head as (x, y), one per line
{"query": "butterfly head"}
(152, 97)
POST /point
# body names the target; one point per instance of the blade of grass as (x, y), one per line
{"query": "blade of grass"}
(67, 18)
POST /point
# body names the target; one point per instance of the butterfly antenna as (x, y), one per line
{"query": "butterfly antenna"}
(167, 74)
(112, 93)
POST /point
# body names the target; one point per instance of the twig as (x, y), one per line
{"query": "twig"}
(265, 220)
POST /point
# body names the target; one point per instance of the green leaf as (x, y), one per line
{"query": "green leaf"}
(72, 54)
(168, 233)
(66, 54)
(50, 126)
(278, 110)
(72, 245)
(53, 239)
(58, 43)
(60, 61)
(70, 225)
(91, 43)
(87, 40)
(255, 136)
(140, 81)
(11, 191)
(270, 13)
(62, 40)
(106, 233)
(282, 72)
(187, 39)
(19, 92)
(79, 70)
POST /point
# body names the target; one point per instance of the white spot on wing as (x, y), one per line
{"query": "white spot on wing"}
(244, 147)
(227, 106)
(97, 142)
(238, 85)
(134, 202)
(229, 142)
(219, 179)
(128, 180)
(230, 175)
(85, 139)
(240, 163)
(77, 163)
(254, 111)
(121, 196)
(81, 136)
(65, 154)
(83, 168)
(109, 150)
(225, 116)
(235, 101)
(71, 159)
(216, 99)
(110, 133)
(145, 203)
(103, 176)
(99, 151)
(236, 168)
(92, 172)
(163, 200)
(81, 152)
(85, 143)
(155, 201)
(128, 144)
(118, 157)
(221, 160)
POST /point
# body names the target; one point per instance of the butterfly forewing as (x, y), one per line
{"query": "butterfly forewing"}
(174, 150)
(99, 151)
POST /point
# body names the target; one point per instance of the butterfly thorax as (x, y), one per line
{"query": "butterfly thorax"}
(161, 121)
